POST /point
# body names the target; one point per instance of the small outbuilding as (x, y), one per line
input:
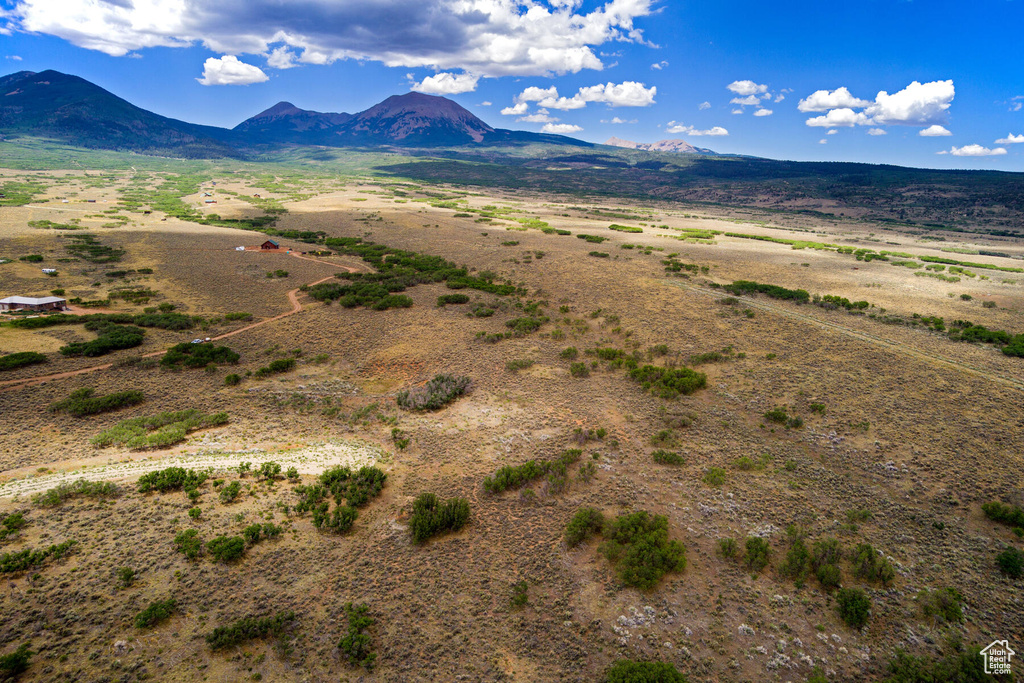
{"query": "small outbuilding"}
(31, 303)
(270, 244)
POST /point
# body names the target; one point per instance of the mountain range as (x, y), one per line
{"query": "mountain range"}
(71, 109)
(671, 146)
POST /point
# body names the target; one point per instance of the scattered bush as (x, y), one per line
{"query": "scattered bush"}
(797, 563)
(16, 663)
(232, 380)
(28, 558)
(198, 355)
(515, 476)
(12, 524)
(854, 606)
(729, 548)
(598, 254)
(715, 476)
(520, 594)
(955, 666)
(663, 457)
(275, 367)
(435, 394)
(270, 470)
(446, 299)
(230, 493)
(226, 548)
(157, 431)
(942, 604)
(668, 383)
(870, 565)
(1011, 563)
(81, 402)
(740, 287)
(171, 479)
(13, 361)
(519, 364)
(431, 517)
(189, 543)
(569, 354)
(628, 671)
(586, 522)
(81, 488)
(579, 370)
(155, 613)
(111, 338)
(355, 645)
(247, 629)
(1006, 514)
(638, 543)
(758, 554)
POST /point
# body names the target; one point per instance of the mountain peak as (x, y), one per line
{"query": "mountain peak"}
(414, 117)
(672, 146)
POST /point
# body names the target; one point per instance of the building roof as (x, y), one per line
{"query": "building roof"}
(32, 300)
(272, 242)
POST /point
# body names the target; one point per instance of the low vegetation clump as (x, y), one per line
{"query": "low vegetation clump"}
(1011, 562)
(198, 355)
(1005, 514)
(593, 239)
(639, 546)
(598, 254)
(854, 606)
(668, 383)
(111, 338)
(825, 556)
(579, 370)
(16, 663)
(157, 431)
(523, 326)
(628, 671)
(275, 367)
(957, 664)
(230, 493)
(941, 605)
(740, 287)
(516, 476)
(189, 544)
(158, 611)
(431, 517)
(446, 299)
(248, 629)
(358, 489)
(624, 228)
(28, 558)
(584, 524)
(435, 394)
(164, 321)
(797, 564)
(78, 489)
(88, 248)
(171, 479)
(715, 476)
(12, 524)
(226, 548)
(758, 554)
(663, 457)
(870, 565)
(13, 361)
(82, 402)
(518, 364)
(355, 645)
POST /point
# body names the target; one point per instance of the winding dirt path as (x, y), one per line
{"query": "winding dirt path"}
(860, 335)
(293, 299)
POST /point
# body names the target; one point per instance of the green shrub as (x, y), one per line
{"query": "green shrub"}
(523, 326)
(28, 558)
(198, 355)
(777, 415)
(829, 576)
(355, 645)
(628, 671)
(515, 476)
(226, 548)
(579, 370)
(624, 228)
(797, 563)
(189, 543)
(232, 380)
(431, 517)
(270, 470)
(247, 629)
(715, 476)
(171, 479)
(569, 353)
(81, 402)
(11, 524)
(758, 553)
(854, 606)
(31, 258)
(586, 522)
(252, 533)
(12, 361)
(520, 594)
(63, 492)
(195, 513)
(941, 604)
(639, 545)
(292, 474)
(956, 666)
(598, 254)
(729, 548)
(1006, 514)
(155, 613)
(518, 364)
(1011, 562)
(275, 367)
(663, 457)
(435, 394)
(870, 565)
(230, 493)
(111, 338)
(445, 299)
(668, 382)
(16, 663)
(157, 431)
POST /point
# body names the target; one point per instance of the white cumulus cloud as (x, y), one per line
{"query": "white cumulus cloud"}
(748, 101)
(763, 112)
(933, 131)
(658, 66)
(1010, 139)
(877, 131)
(489, 38)
(517, 109)
(976, 151)
(616, 119)
(675, 127)
(833, 131)
(281, 58)
(704, 105)
(744, 88)
(229, 70)
(625, 94)
(842, 118)
(823, 100)
(446, 83)
(560, 128)
(918, 103)
(541, 116)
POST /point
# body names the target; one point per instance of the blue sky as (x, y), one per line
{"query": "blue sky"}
(933, 84)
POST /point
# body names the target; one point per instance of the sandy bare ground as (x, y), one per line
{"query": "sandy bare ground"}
(312, 459)
(293, 299)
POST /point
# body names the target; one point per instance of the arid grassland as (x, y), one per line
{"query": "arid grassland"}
(756, 447)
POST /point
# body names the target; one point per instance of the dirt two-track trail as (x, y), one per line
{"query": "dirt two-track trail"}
(866, 337)
(293, 299)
